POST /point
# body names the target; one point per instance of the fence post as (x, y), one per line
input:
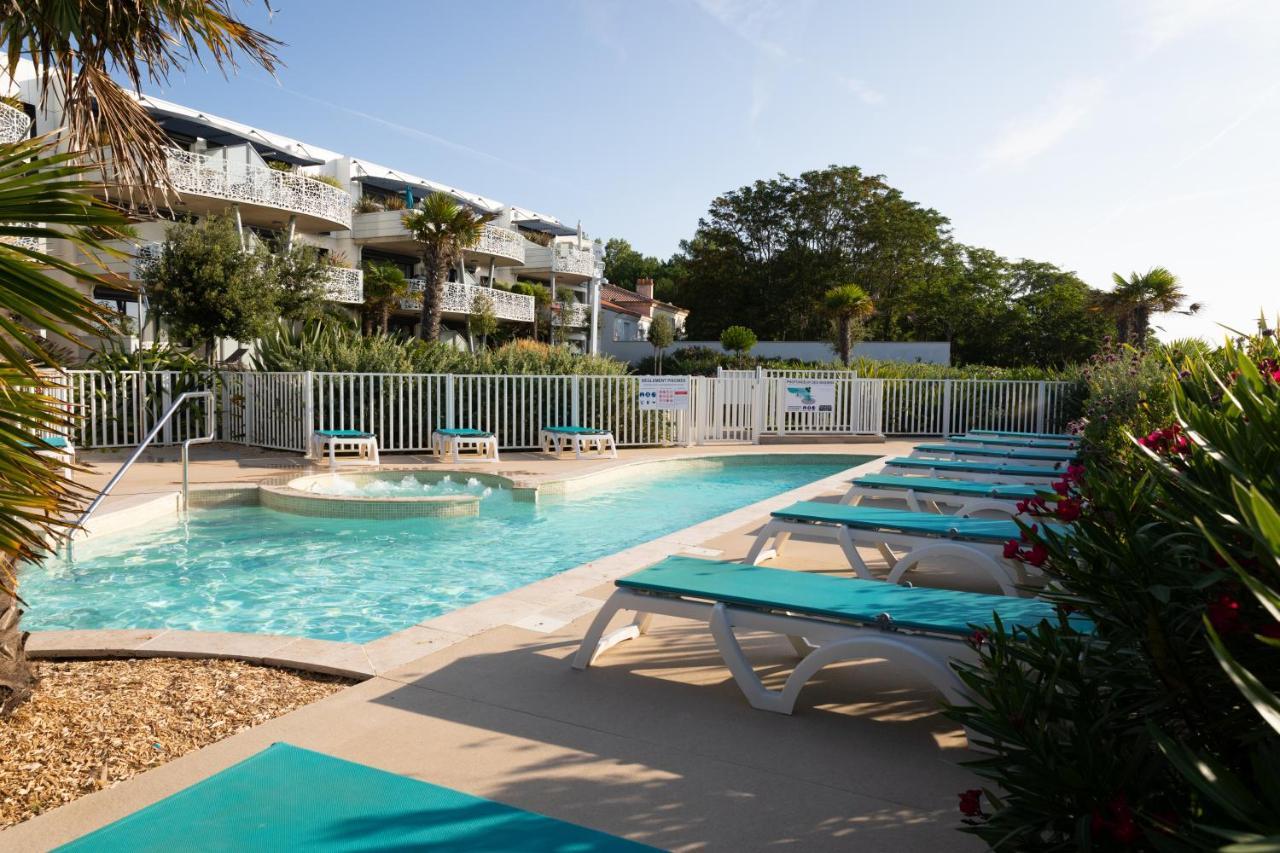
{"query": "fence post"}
(166, 383)
(759, 399)
(448, 401)
(308, 406)
(1040, 406)
(946, 407)
(575, 399)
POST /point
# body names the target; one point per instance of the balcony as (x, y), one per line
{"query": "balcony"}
(574, 315)
(263, 193)
(385, 229)
(14, 124)
(460, 299)
(344, 285)
(564, 259)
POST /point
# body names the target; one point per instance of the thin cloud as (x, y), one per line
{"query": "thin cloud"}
(1029, 136)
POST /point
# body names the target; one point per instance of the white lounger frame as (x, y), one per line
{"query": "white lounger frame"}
(992, 476)
(925, 501)
(365, 449)
(485, 447)
(601, 442)
(1059, 465)
(987, 557)
(66, 455)
(817, 641)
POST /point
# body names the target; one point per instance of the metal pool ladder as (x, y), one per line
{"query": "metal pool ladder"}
(210, 435)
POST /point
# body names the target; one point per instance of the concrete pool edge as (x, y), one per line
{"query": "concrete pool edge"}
(542, 606)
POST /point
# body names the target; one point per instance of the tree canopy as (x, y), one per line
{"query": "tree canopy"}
(764, 256)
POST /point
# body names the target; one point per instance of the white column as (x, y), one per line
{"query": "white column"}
(593, 336)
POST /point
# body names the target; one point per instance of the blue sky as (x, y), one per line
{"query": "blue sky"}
(1098, 136)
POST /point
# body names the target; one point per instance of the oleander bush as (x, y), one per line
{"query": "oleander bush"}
(1161, 729)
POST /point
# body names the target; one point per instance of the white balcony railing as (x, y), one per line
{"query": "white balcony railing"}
(574, 315)
(502, 242)
(248, 183)
(14, 124)
(344, 285)
(460, 299)
(567, 258)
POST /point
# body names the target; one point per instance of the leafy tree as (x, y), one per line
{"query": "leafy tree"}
(738, 340)
(848, 306)
(443, 228)
(1135, 299)
(384, 287)
(482, 321)
(541, 305)
(297, 275)
(204, 286)
(662, 333)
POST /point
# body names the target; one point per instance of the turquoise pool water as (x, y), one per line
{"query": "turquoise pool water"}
(254, 569)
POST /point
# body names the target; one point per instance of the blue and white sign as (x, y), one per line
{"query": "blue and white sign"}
(808, 395)
(664, 393)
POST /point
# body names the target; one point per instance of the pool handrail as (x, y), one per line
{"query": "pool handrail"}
(137, 452)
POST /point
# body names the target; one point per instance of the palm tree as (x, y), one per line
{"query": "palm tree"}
(443, 228)
(847, 305)
(1135, 299)
(74, 45)
(384, 287)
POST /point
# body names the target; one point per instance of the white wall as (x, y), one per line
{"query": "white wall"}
(928, 352)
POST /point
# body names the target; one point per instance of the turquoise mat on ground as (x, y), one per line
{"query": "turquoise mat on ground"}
(975, 467)
(286, 798)
(463, 432)
(343, 433)
(968, 488)
(1020, 434)
(847, 599)
(906, 521)
(1044, 454)
(1051, 443)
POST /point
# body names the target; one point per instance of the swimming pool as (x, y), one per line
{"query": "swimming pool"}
(253, 569)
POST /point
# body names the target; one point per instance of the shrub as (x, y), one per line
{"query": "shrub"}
(330, 180)
(1162, 730)
(738, 339)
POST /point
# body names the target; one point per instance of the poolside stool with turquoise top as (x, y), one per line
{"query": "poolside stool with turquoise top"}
(332, 441)
(554, 439)
(827, 619)
(959, 542)
(990, 472)
(931, 494)
(1066, 442)
(450, 442)
(56, 447)
(1059, 436)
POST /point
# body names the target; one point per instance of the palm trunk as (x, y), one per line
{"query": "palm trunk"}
(433, 296)
(386, 316)
(16, 677)
(846, 339)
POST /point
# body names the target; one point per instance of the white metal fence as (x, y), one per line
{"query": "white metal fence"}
(279, 410)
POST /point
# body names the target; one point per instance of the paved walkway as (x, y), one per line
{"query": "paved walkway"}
(654, 742)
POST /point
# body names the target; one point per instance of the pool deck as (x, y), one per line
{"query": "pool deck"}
(655, 742)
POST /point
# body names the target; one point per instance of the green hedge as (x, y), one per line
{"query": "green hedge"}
(701, 361)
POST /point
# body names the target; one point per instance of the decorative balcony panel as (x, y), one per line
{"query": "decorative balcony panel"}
(460, 299)
(31, 244)
(569, 259)
(344, 285)
(14, 124)
(575, 315)
(500, 242)
(247, 183)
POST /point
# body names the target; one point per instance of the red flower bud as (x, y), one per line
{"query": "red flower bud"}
(971, 802)
(977, 638)
(1224, 614)
(1011, 549)
(1036, 555)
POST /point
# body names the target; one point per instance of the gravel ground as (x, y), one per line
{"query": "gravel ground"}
(92, 724)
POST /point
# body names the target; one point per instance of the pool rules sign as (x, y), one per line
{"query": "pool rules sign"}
(809, 395)
(664, 393)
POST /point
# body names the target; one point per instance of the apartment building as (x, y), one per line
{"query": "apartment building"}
(349, 208)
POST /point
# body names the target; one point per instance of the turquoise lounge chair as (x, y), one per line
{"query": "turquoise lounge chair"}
(448, 442)
(363, 444)
(286, 798)
(930, 494)
(554, 439)
(1007, 434)
(990, 472)
(997, 441)
(58, 448)
(1033, 456)
(921, 536)
(827, 619)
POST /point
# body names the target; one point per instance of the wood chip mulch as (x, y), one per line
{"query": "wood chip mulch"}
(91, 724)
